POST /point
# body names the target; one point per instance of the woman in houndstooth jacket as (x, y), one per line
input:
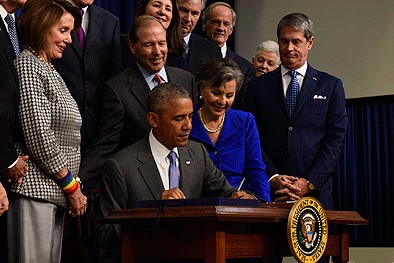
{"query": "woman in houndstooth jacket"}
(51, 124)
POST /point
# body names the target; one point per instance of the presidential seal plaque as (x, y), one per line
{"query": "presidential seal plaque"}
(307, 230)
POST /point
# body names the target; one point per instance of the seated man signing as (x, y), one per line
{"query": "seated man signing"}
(142, 171)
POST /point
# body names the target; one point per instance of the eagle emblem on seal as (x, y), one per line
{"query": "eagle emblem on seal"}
(308, 235)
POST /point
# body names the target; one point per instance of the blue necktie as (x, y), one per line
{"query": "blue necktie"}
(292, 93)
(173, 171)
(12, 33)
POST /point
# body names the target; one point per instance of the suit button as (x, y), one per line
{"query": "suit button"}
(290, 128)
(285, 152)
(215, 152)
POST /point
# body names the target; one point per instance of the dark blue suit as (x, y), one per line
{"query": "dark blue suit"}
(310, 143)
(85, 71)
(237, 152)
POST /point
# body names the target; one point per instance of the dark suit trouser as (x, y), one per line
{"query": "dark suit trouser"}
(3, 238)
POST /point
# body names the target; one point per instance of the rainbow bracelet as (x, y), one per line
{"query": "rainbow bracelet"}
(68, 183)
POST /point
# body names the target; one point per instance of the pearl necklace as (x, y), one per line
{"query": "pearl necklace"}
(205, 126)
(49, 64)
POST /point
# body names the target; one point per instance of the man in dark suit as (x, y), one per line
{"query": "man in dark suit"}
(199, 51)
(125, 106)
(143, 171)
(86, 66)
(218, 21)
(304, 143)
(7, 11)
(12, 166)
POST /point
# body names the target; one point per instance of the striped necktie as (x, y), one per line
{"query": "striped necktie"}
(158, 79)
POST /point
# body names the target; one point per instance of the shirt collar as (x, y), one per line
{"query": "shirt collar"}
(149, 76)
(3, 14)
(187, 39)
(223, 49)
(159, 151)
(301, 70)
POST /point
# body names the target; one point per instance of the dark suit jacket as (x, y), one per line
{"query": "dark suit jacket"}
(124, 110)
(201, 51)
(8, 40)
(85, 72)
(247, 69)
(310, 143)
(8, 101)
(132, 175)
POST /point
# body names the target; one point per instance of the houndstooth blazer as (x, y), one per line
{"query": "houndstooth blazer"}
(51, 125)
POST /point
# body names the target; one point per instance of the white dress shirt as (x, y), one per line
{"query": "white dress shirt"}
(286, 78)
(3, 14)
(149, 78)
(160, 153)
(223, 49)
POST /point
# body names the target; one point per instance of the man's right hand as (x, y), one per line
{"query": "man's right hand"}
(16, 173)
(174, 193)
(284, 187)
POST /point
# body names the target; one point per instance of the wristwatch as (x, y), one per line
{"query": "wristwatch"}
(311, 186)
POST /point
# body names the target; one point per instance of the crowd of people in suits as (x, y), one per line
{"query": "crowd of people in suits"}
(92, 120)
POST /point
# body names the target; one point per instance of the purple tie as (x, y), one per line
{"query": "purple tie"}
(81, 33)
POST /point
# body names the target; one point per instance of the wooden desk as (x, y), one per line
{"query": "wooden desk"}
(215, 233)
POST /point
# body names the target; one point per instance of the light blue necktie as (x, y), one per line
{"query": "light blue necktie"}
(292, 93)
(173, 171)
(12, 33)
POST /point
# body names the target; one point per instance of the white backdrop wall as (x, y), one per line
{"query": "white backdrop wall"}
(354, 39)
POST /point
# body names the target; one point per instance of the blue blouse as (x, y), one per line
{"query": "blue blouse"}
(237, 152)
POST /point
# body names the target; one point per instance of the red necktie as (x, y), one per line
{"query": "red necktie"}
(158, 79)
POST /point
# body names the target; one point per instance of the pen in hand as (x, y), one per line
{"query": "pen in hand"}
(240, 185)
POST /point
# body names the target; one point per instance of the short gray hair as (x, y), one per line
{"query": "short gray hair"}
(219, 70)
(207, 13)
(299, 21)
(270, 46)
(203, 3)
(158, 97)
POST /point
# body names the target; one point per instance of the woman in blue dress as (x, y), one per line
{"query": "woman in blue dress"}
(230, 136)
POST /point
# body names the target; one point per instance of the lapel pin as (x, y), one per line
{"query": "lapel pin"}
(187, 162)
(314, 78)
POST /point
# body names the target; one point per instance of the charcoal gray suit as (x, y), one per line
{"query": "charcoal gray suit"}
(123, 121)
(132, 175)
